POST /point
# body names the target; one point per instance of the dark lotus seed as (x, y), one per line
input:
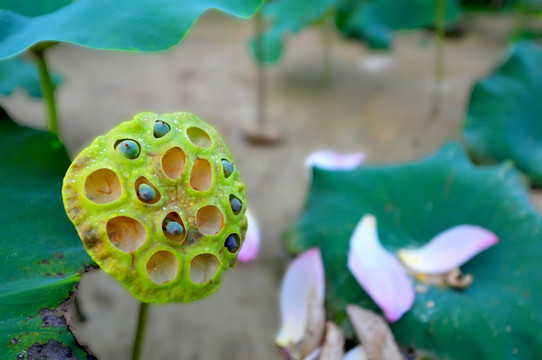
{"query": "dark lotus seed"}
(146, 192)
(160, 129)
(231, 243)
(235, 205)
(228, 168)
(128, 148)
(173, 228)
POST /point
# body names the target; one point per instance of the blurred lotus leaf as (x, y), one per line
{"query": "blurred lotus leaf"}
(503, 118)
(42, 257)
(499, 315)
(375, 22)
(110, 25)
(16, 73)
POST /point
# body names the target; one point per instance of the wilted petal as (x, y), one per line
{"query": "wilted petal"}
(357, 353)
(378, 272)
(302, 289)
(314, 355)
(329, 160)
(374, 333)
(448, 250)
(250, 247)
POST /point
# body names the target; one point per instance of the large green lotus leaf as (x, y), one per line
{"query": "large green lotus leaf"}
(16, 73)
(505, 112)
(40, 252)
(288, 17)
(33, 7)
(375, 22)
(500, 315)
(131, 25)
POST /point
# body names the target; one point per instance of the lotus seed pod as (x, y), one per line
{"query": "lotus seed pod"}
(161, 222)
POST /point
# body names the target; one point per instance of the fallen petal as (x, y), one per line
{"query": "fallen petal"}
(250, 247)
(302, 289)
(378, 64)
(448, 250)
(333, 348)
(329, 160)
(374, 333)
(314, 355)
(378, 272)
(357, 353)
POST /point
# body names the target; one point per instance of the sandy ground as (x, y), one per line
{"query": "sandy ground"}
(211, 74)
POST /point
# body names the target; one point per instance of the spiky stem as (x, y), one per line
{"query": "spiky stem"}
(141, 322)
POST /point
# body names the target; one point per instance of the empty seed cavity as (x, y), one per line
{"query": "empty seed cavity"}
(201, 176)
(199, 137)
(203, 268)
(236, 204)
(162, 267)
(232, 243)
(173, 162)
(146, 191)
(210, 220)
(126, 234)
(173, 227)
(128, 148)
(102, 186)
(161, 128)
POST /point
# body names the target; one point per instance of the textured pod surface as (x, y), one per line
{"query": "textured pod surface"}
(128, 236)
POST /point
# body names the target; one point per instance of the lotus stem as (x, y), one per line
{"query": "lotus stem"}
(141, 322)
(440, 20)
(260, 70)
(47, 88)
(327, 61)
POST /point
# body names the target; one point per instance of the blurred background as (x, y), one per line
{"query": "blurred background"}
(378, 102)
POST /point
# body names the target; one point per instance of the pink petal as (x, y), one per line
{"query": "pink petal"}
(250, 247)
(448, 250)
(329, 160)
(304, 277)
(378, 272)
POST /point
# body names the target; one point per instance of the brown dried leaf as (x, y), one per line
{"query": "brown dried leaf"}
(333, 348)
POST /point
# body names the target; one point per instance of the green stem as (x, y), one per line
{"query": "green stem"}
(141, 322)
(440, 20)
(47, 89)
(260, 71)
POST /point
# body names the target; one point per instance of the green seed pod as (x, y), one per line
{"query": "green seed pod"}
(158, 222)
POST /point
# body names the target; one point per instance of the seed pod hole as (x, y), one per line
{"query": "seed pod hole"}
(236, 204)
(103, 186)
(161, 128)
(201, 176)
(210, 220)
(144, 190)
(232, 243)
(128, 148)
(125, 233)
(227, 167)
(203, 268)
(198, 137)
(173, 162)
(173, 227)
(162, 267)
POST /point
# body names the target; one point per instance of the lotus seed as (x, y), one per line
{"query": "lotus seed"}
(128, 148)
(235, 205)
(231, 243)
(160, 129)
(146, 192)
(173, 228)
(228, 168)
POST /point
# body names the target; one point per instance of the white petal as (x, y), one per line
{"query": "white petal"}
(377, 64)
(378, 272)
(448, 250)
(357, 353)
(329, 160)
(304, 276)
(250, 247)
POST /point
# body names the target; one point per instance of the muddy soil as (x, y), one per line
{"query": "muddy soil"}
(384, 113)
